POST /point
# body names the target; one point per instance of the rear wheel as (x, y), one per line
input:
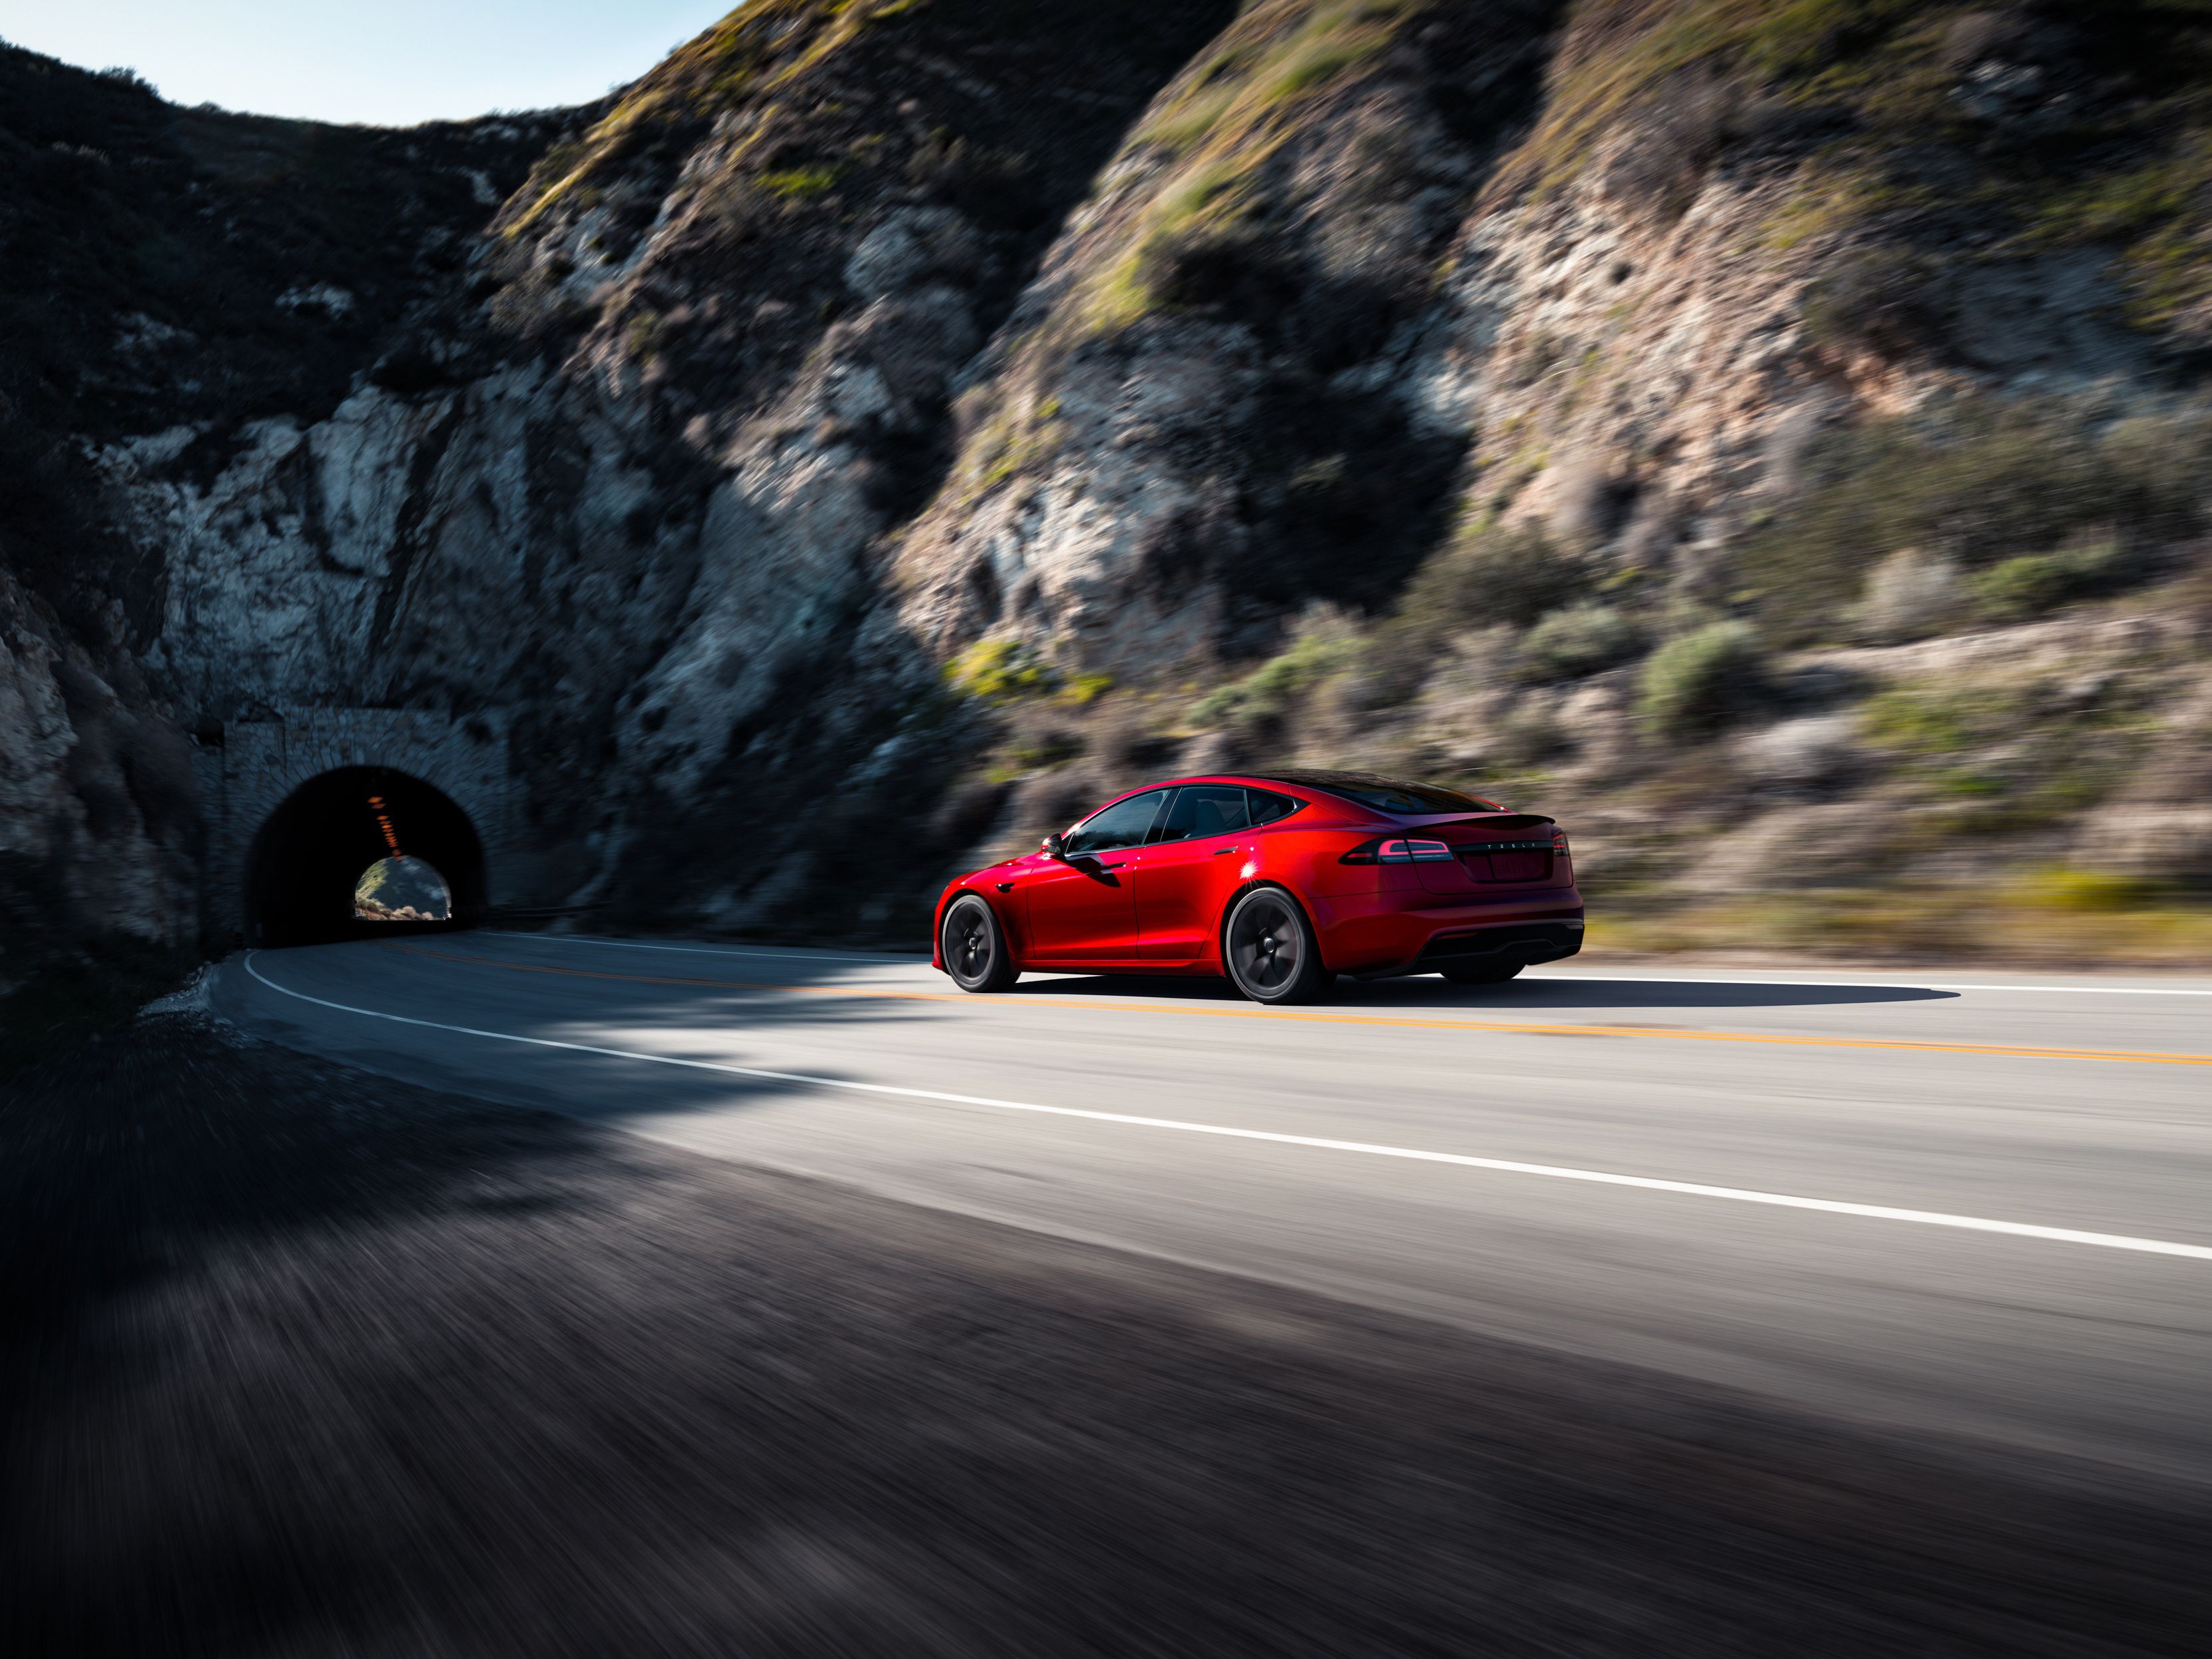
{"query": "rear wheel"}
(975, 953)
(1269, 949)
(1492, 973)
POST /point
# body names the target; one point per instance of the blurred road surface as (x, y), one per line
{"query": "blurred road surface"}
(1965, 1204)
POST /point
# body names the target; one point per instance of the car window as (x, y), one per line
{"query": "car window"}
(1122, 824)
(1202, 810)
(1407, 799)
(1267, 807)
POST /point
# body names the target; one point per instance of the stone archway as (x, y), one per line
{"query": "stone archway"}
(272, 809)
(307, 855)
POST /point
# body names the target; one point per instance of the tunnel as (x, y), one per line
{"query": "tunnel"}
(305, 859)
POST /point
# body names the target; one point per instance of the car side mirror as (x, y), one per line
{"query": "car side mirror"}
(1053, 846)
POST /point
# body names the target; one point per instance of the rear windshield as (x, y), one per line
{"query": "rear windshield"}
(1393, 795)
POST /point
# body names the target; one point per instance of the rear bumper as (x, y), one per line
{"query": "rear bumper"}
(1378, 935)
(1520, 942)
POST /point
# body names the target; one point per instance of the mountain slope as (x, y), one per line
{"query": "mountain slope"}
(1767, 435)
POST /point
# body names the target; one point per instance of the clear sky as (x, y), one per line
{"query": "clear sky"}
(390, 62)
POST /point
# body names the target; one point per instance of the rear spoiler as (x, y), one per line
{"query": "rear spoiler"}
(1497, 821)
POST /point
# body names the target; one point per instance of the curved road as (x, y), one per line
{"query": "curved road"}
(1973, 1203)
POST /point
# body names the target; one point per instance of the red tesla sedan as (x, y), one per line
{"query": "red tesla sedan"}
(1281, 881)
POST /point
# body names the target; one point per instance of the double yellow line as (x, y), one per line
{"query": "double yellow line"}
(1521, 1028)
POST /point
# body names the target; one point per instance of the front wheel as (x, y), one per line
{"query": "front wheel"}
(1269, 949)
(1496, 973)
(975, 952)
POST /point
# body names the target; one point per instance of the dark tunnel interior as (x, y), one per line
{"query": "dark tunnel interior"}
(305, 861)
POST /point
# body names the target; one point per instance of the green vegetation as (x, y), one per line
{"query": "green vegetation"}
(1927, 721)
(1325, 644)
(1695, 682)
(2158, 211)
(1940, 729)
(755, 52)
(1222, 124)
(1988, 758)
(1981, 486)
(1582, 639)
(1832, 199)
(2099, 892)
(1040, 750)
(2018, 589)
(642, 333)
(2112, 145)
(1276, 52)
(1491, 574)
(1637, 56)
(1001, 670)
(2035, 917)
(801, 184)
(1008, 445)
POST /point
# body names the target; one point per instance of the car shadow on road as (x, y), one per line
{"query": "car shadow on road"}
(1430, 991)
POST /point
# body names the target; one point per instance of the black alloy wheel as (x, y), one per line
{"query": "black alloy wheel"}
(1483, 973)
(975, 953)
(1270, 950)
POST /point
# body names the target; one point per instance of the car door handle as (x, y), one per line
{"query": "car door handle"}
(1220, 850)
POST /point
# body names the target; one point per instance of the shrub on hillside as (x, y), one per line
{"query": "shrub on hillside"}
(1693, 684)
(1983, 485)
(2018, 589)
(1510, 574)
(1326, 643)
(1487, 577)
(1579, 640)
(1909, 596)
(1001, 671)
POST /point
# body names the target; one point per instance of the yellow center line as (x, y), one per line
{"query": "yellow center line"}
(1521, 1028)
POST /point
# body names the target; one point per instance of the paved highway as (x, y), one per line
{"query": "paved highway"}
(1966, 1203)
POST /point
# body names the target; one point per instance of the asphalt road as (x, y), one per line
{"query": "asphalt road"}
(1456, 1155)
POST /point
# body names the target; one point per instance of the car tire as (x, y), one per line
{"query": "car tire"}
(974, 946)
(1269, 949)
(1491, 973)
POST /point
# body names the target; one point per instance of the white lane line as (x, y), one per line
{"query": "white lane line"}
(712, 949)
(1873, 983)
(1508, 1166)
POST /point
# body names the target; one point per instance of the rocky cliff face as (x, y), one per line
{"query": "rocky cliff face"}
(889, 423)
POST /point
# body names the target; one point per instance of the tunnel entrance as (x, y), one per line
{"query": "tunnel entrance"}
(309, 858)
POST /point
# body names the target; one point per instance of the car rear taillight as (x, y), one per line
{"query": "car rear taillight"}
(1559, 842)
(1399, 850)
